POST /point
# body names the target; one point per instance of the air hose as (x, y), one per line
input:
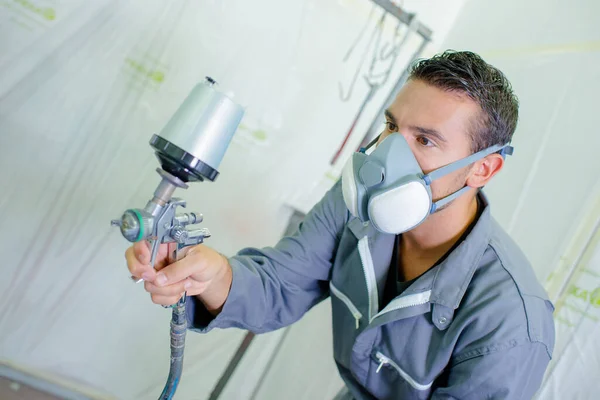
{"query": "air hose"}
(178, 330)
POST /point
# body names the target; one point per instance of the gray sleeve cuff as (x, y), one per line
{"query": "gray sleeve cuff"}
(198, 316)
(202, 321)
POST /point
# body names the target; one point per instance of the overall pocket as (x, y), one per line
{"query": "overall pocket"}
(389, 380)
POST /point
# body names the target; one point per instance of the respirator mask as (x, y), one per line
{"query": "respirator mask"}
(388, 188)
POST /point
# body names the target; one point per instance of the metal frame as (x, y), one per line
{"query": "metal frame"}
(415, 26)
(404, 17)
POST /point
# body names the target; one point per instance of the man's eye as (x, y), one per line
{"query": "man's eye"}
(423, 141)
(391, 126)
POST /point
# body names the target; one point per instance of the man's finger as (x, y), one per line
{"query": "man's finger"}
(197, 288)
(165, 300)
(167, 254)
(136, 268)
(169, 290)
(142, 252)
(177, 271)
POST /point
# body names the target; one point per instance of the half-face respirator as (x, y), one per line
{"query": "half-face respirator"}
(388, 187)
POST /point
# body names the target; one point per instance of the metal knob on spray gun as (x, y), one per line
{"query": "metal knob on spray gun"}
(190, 149)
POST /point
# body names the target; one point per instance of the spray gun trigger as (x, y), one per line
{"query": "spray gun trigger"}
(155, 245)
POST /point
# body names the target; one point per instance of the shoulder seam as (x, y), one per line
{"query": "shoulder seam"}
(531, 339)
(516, 286)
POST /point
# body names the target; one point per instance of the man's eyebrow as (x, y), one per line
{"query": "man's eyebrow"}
(420, 129)
(389, 116)
(428, 131)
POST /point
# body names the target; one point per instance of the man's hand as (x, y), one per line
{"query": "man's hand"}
(201, 272)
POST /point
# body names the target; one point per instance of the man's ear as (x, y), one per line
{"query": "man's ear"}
(484, 169)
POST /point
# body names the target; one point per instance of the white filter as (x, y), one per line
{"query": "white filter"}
(401, 209)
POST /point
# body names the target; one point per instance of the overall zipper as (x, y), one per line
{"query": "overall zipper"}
(410, 300)
(369, 271)
(351, 307)
(383, 360)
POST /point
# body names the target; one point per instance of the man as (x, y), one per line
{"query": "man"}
(430, 297)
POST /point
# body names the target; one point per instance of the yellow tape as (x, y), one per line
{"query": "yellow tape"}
(46, 12)
(564, 321)
(582, 312)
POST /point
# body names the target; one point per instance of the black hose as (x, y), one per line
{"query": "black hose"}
(178, 330)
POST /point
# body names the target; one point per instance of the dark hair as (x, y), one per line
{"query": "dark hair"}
(466, 72)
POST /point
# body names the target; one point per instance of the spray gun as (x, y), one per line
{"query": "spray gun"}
(189, 148)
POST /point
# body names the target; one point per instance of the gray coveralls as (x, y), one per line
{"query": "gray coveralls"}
(476, 326)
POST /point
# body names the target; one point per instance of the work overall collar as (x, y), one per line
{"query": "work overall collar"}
(439, 290)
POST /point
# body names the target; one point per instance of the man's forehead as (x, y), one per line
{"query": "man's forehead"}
(424, 105)
(420, 94)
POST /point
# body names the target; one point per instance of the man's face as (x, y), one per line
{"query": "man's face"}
(436, 125)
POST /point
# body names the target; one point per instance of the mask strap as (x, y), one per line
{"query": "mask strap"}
(364, 149)
(447, 199)
(504, 151)
(438, 173)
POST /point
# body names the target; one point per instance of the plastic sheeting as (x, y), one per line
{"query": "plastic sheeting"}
(577, 318)
(577, 355)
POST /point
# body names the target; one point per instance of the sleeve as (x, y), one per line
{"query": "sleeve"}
(513, 373)
(274, 286)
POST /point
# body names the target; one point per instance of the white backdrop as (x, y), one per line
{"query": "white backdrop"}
(574, 371)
